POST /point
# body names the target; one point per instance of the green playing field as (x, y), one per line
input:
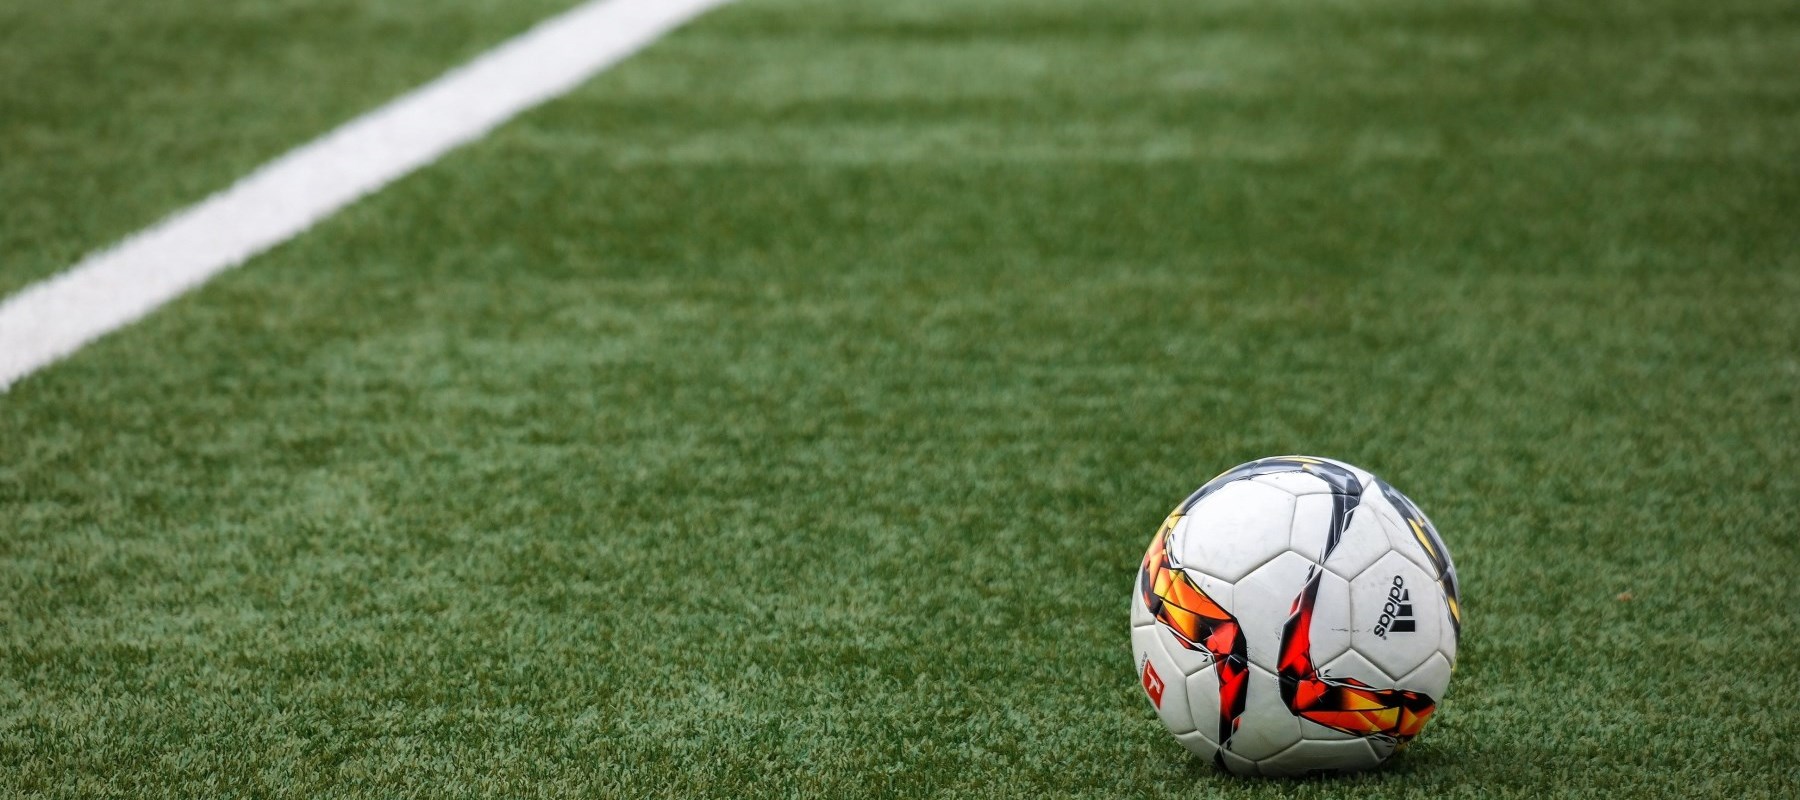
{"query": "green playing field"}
(785, 411)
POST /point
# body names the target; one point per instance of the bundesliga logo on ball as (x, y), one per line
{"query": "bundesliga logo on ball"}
(1295, 615)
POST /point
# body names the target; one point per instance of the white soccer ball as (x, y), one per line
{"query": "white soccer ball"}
(1295, 615)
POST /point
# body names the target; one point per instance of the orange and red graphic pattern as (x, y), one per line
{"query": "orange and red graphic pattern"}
(1339, 703)
(1199, 623)
(1344, 704)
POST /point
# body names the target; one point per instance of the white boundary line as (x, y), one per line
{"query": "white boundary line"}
(113, 288)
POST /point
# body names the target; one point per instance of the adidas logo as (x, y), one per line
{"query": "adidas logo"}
(1396, 613)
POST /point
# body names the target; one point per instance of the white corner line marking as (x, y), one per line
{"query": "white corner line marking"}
(115, 287)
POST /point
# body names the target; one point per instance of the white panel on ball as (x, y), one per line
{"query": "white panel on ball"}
(1263, 600)
(1331, 623)
(1199, 745)
(1163, 683)
(1140, 613)
(1237, 764)
(1399, 614)
(1354, 665)
(1313, 730)
(1295, 483)
(1267, 727)
(1235, 530)
(1432, 677)
(1203, 701)
(1362, 543)
(1315, 755)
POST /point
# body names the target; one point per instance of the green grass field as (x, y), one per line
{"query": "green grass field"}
(785, 412)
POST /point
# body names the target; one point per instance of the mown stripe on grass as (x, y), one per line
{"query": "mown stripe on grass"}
(118, 286)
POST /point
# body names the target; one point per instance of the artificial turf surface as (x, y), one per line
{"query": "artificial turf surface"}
(785, 412)
(114, 113)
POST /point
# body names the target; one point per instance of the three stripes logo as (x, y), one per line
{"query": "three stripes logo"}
(1396, 613)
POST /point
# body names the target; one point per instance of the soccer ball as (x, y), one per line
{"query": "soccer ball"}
(1295, 615)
